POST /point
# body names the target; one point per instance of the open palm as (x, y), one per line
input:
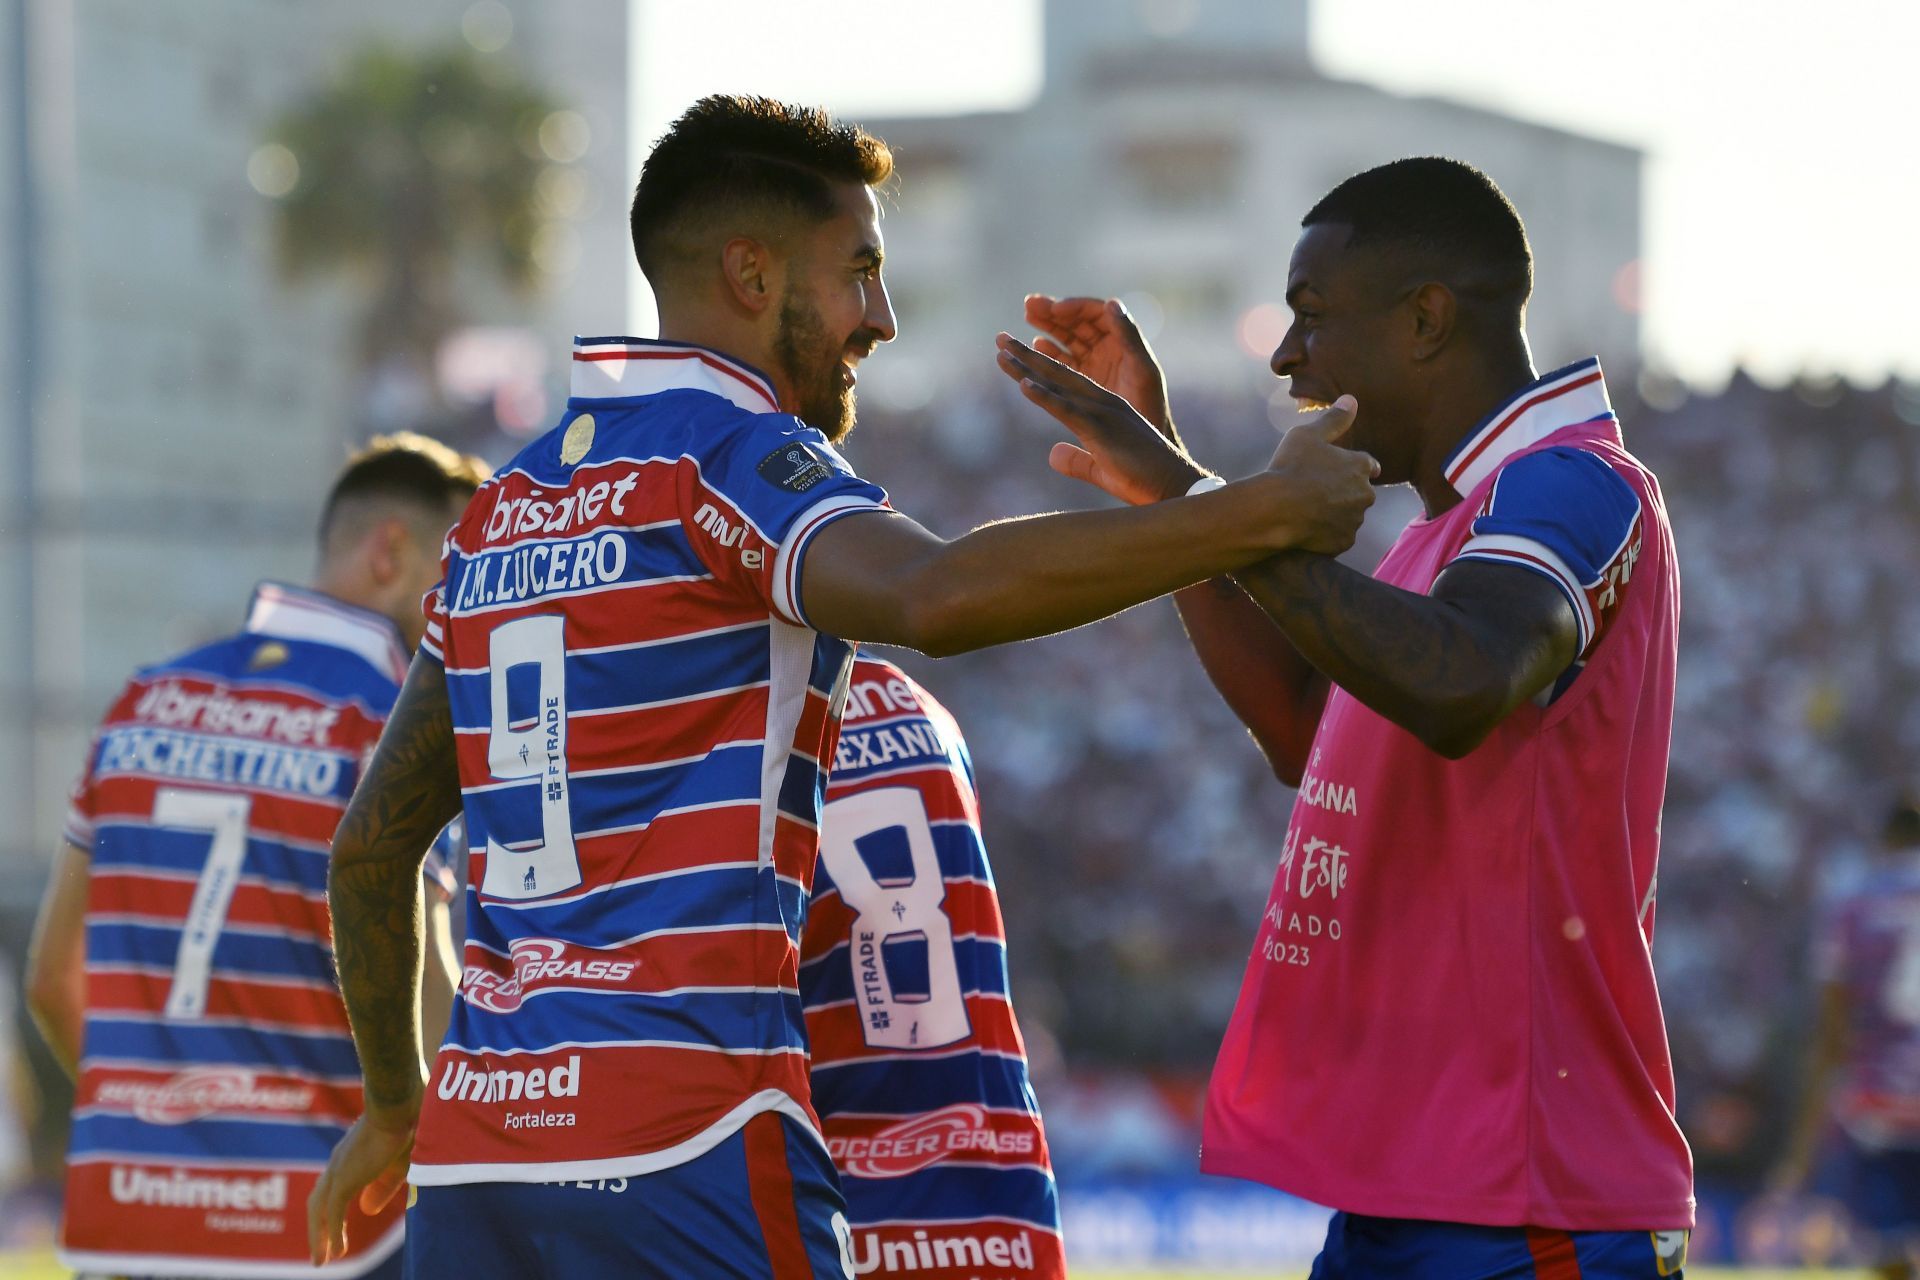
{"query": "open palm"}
(1096, 337)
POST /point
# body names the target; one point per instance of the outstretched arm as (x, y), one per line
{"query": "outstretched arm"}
(1447, 667)
(1274, 691)
(884, 578)
(411, 790)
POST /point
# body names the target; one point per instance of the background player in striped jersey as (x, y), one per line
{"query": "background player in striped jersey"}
(632, 668)
(180, 968)
(1857, 1133)
(919, 1071)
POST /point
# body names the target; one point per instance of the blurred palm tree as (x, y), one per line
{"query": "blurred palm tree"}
(406, 165)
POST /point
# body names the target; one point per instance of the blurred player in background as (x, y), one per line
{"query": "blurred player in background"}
(919, 1071)
(181, 967)
(1449, 1029)
(1863, 1081)
(633, 666)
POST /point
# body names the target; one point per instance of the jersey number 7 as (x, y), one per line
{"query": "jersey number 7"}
(224, 816)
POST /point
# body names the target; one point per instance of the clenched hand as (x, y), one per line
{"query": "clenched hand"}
(1332, 486)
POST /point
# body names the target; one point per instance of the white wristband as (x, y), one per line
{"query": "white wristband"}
(1206, 484)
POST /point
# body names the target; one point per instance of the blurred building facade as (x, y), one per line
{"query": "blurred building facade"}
(172, 409)
(1173, 150)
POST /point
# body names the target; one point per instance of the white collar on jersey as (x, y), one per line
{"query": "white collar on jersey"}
(1577, 393)
(296, 613)
(616, 368)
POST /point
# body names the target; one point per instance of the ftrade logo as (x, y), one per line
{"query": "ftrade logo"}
(538, 962)
(914, 1144)
(203, 1091)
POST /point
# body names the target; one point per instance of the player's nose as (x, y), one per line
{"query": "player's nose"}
(880, 317)
(1287, 357)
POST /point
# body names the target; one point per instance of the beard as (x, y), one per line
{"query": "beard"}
(810, 359)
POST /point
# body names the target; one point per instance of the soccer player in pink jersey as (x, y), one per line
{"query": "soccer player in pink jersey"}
(634, 664)
(1449, 1030)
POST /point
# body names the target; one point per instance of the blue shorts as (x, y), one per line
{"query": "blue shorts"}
(764, 1205)
(1359, 1248)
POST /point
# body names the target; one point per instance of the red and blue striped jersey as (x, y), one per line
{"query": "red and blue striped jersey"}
(641, 708)
(217, 1070)
(919, 1071)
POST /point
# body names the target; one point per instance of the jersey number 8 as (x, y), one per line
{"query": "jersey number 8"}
(878, 847)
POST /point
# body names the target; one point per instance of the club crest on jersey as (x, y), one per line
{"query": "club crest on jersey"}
(579, 439)
(270, 654)
(538, 962)
(795, 467)
(915, 1143)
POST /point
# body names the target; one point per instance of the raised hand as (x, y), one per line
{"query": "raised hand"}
(1330, 487)
(1120, 451)
(1098, 338)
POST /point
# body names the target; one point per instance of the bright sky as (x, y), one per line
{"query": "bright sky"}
(1782, 192)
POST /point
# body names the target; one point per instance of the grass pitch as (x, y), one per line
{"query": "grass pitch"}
(41, 1266)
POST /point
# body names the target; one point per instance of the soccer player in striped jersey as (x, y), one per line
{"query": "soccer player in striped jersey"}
(181, 967)
(633, 667)
(1860, 1099)
(919, 1071)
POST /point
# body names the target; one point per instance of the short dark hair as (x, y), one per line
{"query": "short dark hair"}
(404, 468)
(732, 152)
(1447, 211)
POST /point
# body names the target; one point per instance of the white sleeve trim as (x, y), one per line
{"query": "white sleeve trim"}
(78, 830)
(1506, 548)
(787, 561)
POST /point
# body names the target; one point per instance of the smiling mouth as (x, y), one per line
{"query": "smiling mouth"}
(848, 374)
(1306, 398)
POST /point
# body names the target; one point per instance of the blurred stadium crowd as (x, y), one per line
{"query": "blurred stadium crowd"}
(1134, 826)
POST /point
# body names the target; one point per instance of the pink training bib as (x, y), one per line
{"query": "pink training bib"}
(1450, 1010)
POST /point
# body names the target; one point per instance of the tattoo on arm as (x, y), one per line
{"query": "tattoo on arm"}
(1447, 667)
(410, 792)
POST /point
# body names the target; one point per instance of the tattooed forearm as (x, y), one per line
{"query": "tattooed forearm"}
(411, 790)
(1446, 667)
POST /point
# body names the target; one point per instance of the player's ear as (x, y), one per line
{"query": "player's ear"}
(752, 272)
(387, 549)
(1432, 312)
